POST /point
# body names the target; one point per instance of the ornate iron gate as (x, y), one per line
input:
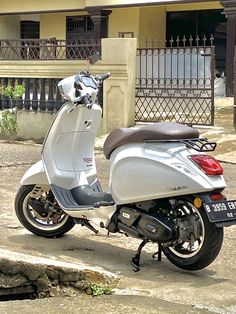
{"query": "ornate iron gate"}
(175, 84)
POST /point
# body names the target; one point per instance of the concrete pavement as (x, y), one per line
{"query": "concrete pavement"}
(158, 288)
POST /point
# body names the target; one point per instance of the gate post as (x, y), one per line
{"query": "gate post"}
(235, 88)
(230, 11)
(119, 54)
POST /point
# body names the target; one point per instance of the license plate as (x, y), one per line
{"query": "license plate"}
(221, 211)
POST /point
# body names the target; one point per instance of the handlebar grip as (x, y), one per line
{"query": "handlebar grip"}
(104, 76)
(87, 102)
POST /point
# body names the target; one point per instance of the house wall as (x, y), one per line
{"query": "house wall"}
(54, 24)
(112, 3)
(33, 125)
(148, 23)
(152, 24)
(28, 6)
(145, 22)
(194, 6)
(9, 27)
(124, 20)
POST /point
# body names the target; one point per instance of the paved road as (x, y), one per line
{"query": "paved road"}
(157, 288)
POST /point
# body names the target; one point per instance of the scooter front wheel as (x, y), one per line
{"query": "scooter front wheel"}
(38, 211)
(200, 241)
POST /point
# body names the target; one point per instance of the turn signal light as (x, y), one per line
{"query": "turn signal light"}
(208, 164)
(197, 202)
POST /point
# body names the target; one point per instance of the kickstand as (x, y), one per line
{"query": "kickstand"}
(87, 224)
(157, 256)
(136, 259)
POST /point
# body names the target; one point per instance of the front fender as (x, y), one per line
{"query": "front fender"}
(35, 175)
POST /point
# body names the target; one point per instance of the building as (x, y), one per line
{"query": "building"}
(71, 30)
(148, 21)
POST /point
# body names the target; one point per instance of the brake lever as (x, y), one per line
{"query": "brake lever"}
(76, 103)
(88, 106)
(72, 108)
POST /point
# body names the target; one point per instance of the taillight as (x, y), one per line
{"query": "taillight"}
(208, 163)
(217, 197)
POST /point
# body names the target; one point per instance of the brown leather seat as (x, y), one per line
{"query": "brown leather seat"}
(157, 131)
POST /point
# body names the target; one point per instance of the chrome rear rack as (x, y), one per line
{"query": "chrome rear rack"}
(198, 144)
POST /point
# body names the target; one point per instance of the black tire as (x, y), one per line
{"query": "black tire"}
(211, 245)
(23, 213)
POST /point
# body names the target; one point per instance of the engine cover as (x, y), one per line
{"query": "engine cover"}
(128, 216)
(157, 228)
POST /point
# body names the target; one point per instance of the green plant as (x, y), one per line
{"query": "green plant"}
(8, 123)
(13, 92)
(98, 289)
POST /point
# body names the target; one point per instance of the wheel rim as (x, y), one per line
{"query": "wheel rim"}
(182, 250)
(44, 224)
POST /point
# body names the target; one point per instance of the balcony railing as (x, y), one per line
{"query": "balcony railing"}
(48, 49)
(41, 95)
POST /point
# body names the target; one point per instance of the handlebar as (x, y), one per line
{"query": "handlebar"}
(87, 102)
(102, 77)
(105, 76)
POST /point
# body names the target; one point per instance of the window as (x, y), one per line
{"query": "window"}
(29, 29)
(199, 23)
(193, 23)
(77, 24)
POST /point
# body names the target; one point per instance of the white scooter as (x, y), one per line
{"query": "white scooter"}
(163, 188)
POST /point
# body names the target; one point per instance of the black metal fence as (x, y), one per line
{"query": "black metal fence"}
(48, 49)
(191, 41)
(176, 83)
(194, 41)
(40, 95)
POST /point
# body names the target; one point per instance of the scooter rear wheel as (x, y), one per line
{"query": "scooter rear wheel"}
(206, 244)
(52, 222)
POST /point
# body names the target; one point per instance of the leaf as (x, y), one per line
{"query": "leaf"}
(8, 123)
(98, 290)
(13, 92)
(18, 91)
(7, 90)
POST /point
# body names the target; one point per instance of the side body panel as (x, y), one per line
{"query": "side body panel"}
(97, 216)
(147, 171)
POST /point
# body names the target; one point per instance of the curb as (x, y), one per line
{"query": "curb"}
(42, 277)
